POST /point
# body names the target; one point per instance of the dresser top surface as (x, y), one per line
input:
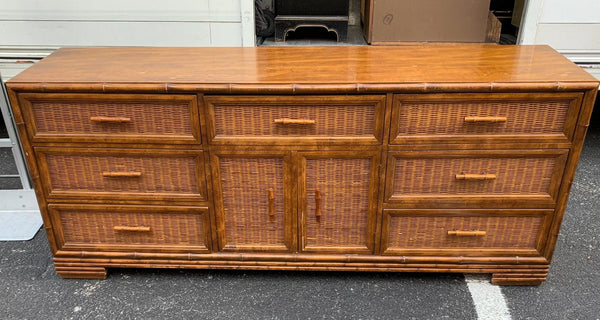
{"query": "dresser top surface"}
(306, 65)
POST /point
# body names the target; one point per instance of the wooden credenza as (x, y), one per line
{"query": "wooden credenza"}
(416, 159)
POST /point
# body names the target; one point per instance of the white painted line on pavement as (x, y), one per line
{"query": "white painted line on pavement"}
(488, 299)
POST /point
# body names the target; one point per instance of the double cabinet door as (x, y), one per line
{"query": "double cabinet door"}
(296, 201)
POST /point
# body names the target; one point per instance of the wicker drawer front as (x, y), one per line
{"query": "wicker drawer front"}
(435, 230)
(112, 118)
(132, 228)
(463, 176)
(123, 174)
(481, 117)
(298, 119)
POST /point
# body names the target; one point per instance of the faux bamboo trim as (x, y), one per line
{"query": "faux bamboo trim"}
(348, 258)
(325, 88)
(503, 272)
(84, 263)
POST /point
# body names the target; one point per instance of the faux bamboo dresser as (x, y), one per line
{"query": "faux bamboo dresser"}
(415, 159)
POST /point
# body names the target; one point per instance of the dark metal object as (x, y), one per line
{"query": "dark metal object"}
(312, 7)
(285, 24)
(329, 14)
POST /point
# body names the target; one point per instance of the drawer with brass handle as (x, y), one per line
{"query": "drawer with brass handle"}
(353, 119)
(465, 232)
(131, 228)
(114, 174)
(476, 118)
(492, 178)
(141, 118)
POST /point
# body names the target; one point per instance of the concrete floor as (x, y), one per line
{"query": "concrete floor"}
(30, 289)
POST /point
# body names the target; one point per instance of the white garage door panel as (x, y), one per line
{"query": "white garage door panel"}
(10, 68)
(573, 11)
(86, 33)
(225, 34)
(592, 69)
(225, 8)
(121, 10)
(576, 36)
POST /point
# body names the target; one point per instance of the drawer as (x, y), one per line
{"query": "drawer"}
(143, 118)
(475, 178)
(295, 119)
(477, 118)
(115, 174)
(465, 232)
(130, 228)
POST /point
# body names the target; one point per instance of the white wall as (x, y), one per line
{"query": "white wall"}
(573, 11)
(56, 23)
(571, 27)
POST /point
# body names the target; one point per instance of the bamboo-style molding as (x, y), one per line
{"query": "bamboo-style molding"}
(474, 119)
(475, 176)
(318, 212)
(107, 256)
(288, 121)
(313, 88)
(132, 229)
(502, 274)
(110, 119)
(271, 203)
(121, 174)
(467, 233)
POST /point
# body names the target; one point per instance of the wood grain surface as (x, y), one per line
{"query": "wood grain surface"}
(305, 65)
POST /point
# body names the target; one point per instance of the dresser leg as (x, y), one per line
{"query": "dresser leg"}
(81, 272)
(518, 279)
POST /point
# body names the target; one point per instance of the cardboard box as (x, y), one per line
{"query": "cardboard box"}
(494, 29)
(425, 20)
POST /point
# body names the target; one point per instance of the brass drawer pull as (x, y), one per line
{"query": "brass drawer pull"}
(285, 121)
(318, 204)
(474, 176)
(133, 229)
(121, 174)
(485, 119)
(465, 233)
(110, 119)
(271, 203)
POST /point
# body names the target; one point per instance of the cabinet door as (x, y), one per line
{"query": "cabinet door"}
(337, 201)
(253, 201)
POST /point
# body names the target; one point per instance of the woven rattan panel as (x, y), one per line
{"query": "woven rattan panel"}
(344, 188)
(167, 228)
(159, 174)
(147, 118)
(330, 120)
(246, 183)
(430, 176)
(522, 117)
(430, 232)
